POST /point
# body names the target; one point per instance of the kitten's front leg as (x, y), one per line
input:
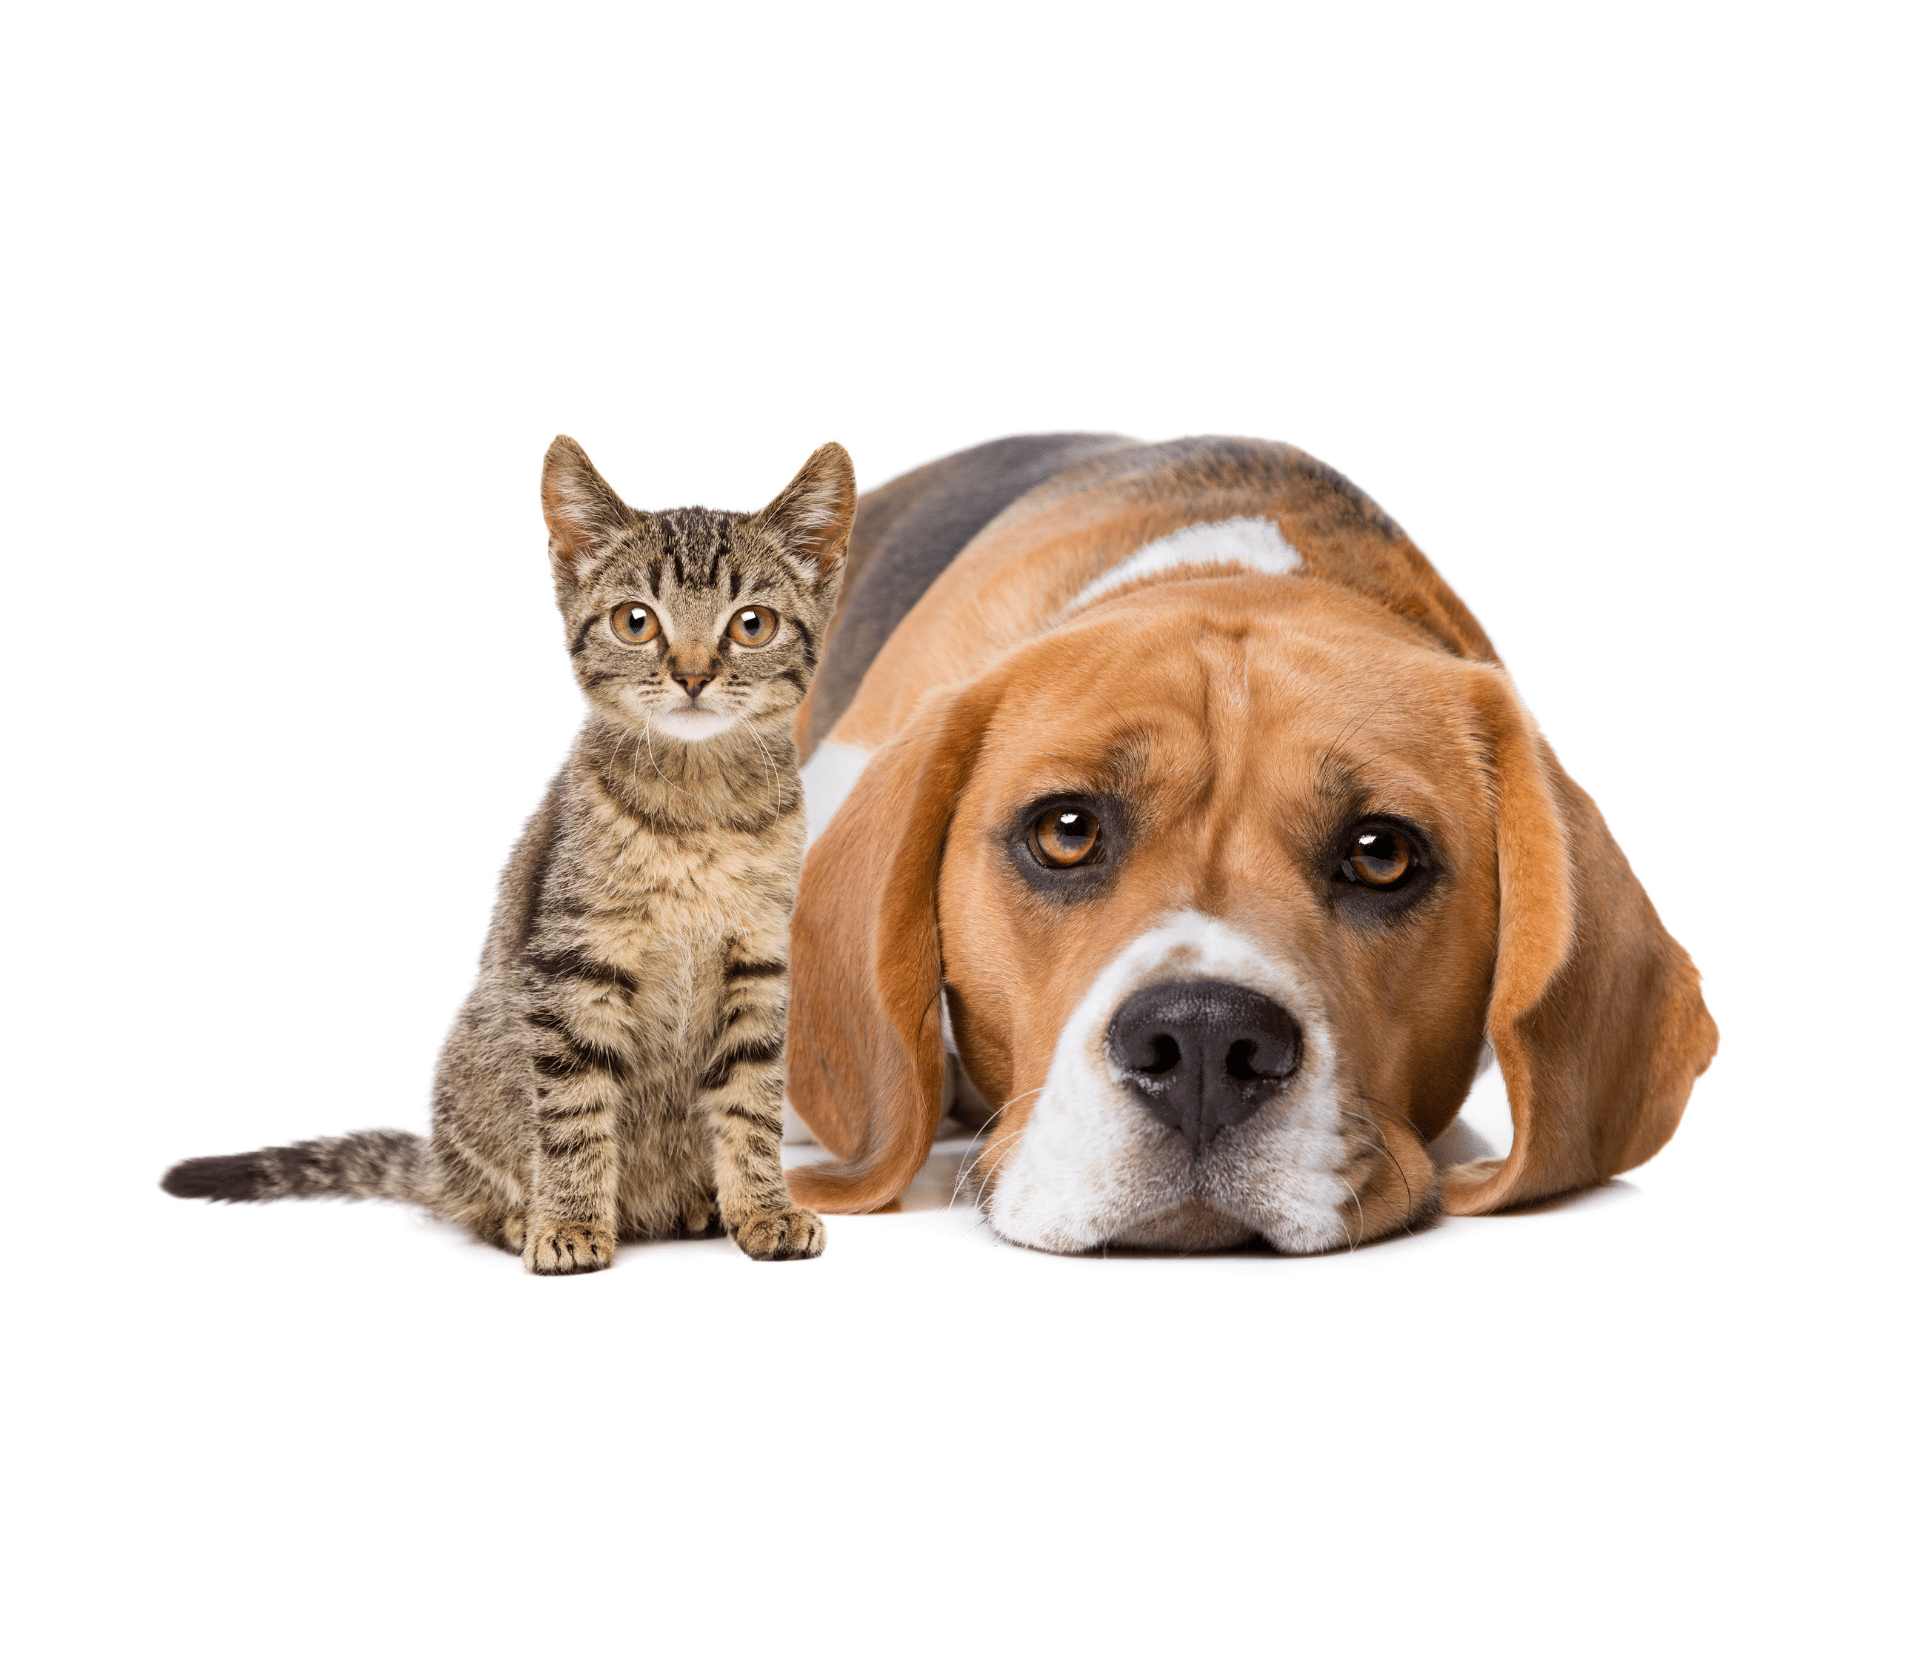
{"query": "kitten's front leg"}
(740, 1097)
(574, 1160)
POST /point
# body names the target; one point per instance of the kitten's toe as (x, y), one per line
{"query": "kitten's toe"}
(793, 1233)
(511, 1235)
(701, 1222)
(567, 1249)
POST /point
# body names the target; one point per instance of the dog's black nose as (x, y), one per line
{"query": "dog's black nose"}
(1203, 1055)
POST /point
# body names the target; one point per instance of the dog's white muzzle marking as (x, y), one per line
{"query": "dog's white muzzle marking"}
(1093, 1168)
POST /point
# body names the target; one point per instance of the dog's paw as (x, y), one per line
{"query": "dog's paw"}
(567, 1249)
(793, 1233)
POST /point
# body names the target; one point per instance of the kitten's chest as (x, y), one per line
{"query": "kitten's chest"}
(665, 906)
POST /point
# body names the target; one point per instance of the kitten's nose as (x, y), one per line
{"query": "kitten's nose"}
(693, 683)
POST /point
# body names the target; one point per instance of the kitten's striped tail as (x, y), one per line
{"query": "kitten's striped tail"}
(388, 1165)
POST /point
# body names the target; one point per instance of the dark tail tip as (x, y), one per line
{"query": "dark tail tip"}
(219, 1177)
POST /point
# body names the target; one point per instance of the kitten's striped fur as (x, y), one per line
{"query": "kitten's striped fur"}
(617, 1070)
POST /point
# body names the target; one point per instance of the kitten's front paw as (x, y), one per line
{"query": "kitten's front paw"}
(567, 1249)
(794, 1233)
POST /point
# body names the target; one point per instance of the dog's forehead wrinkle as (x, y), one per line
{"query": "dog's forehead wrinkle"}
(1332, 758)
(1226, 668)
(1347, 784)
(1120, 762)
(1423, 787)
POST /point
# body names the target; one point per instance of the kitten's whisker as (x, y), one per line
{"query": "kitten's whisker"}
(779, 784)
(656, 764)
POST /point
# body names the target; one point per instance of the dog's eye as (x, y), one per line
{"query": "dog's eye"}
(1379, 856)
(752, 627)
(635, 623)
(1064, 837)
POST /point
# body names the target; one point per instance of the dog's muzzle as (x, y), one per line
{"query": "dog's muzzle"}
(1203, 1055)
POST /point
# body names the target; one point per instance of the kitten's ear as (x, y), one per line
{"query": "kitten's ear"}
(582, 510)
(814, 513)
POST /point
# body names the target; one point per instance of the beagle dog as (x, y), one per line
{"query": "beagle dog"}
(1172, 791)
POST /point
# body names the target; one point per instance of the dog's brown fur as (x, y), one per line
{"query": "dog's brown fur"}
(1241, 718)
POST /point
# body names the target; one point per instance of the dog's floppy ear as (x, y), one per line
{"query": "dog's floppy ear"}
(864, 1055)
(1596, 1013)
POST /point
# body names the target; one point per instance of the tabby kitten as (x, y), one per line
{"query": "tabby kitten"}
(617, 1069)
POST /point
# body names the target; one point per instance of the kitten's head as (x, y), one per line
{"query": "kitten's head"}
(686, 622)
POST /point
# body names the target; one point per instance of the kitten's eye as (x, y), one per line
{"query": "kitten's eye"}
(1380, 857)
(753, 626)
(635, 623)
(1064, 837)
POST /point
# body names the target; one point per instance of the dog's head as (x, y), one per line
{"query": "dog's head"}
(1226, 883)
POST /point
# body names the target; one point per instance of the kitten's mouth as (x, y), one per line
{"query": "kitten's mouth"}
(691, 722)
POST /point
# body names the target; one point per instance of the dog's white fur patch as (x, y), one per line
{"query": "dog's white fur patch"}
(1251, 541)
(1094, 1168)
(827, 779)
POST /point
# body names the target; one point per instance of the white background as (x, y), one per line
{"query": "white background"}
(1611, 307)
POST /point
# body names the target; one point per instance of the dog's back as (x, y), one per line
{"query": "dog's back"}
(903, 538)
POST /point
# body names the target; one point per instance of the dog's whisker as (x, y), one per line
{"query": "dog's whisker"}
(1381, 1144)
(1359, 1218)
(966, 1165)
(960, 1181)
(1006, 1142)
(1010, 1146)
